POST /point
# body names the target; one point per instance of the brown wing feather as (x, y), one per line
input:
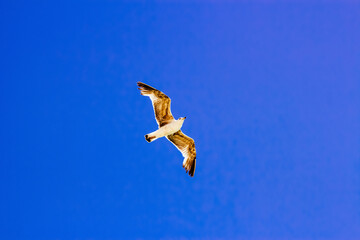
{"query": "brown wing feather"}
(186, 146)
(161, 103)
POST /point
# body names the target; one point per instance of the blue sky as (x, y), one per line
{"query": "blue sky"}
(271, 93)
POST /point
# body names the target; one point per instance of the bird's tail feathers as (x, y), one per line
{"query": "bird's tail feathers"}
(150, 138)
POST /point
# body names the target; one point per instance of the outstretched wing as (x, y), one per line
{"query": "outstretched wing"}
(186, 146)
(160, 102)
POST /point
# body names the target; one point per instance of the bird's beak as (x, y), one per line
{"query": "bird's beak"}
(184, 117)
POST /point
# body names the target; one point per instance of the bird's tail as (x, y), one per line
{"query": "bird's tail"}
(145, 89)
(150, 138)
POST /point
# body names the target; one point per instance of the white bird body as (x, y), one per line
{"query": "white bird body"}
(166, 130)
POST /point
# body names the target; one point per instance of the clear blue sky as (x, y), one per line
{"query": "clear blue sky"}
(271, 92)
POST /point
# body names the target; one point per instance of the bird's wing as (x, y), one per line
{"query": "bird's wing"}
(186, 146)
(160, 102)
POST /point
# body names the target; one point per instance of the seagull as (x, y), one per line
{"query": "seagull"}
(169, 127)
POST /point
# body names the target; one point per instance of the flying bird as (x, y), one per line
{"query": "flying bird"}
(169, 127)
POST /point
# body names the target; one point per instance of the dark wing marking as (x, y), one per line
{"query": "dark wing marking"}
(186, 146)
(161, 103)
